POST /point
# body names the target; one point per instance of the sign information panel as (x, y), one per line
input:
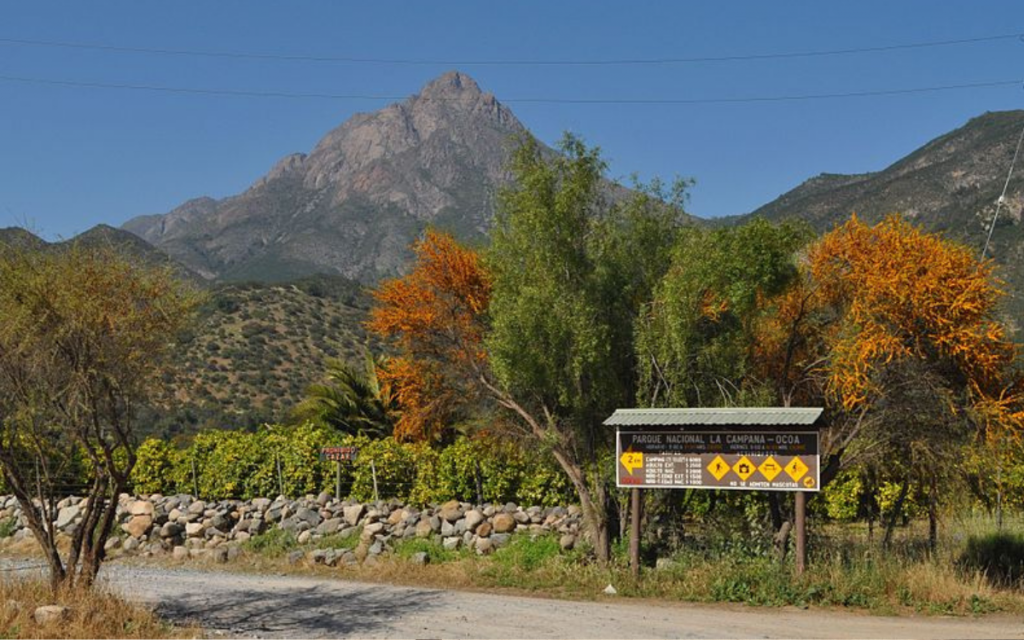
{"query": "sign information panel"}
(751, 460)
(339, 453)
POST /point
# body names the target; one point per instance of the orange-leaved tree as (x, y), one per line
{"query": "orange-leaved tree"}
(913, 345)
(434, 318)
(906, 294)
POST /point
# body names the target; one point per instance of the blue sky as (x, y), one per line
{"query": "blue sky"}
(74, 157)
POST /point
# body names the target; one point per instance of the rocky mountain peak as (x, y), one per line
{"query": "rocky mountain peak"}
(356, 201)
(451, 85)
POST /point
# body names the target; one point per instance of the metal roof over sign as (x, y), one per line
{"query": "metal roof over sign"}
(768, 449)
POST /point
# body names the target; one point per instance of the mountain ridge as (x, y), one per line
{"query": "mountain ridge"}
(355, 202)
(949, 185)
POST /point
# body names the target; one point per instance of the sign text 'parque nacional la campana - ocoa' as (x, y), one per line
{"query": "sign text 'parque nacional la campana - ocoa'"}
(718, 455)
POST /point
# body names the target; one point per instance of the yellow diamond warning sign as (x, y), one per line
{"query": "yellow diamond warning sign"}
(796, 469)
(770, 468)
(744, 468)
(718, 468)
(632, 460)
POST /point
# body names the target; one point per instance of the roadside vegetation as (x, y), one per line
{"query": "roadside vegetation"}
(88, 613)
(845, 570)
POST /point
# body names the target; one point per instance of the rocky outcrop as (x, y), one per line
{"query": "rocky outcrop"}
(356, 201)
(184, 527)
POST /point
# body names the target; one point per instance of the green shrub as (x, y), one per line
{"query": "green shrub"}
(393, 463)
(337, 541)
(8, 527)
(273, 543)
(843, 496)
(154, 466)
(243, 464)
(526, 553)
(504, 471)
(436, 554)
(998, 556)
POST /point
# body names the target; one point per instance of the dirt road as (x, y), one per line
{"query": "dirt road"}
(264, 606)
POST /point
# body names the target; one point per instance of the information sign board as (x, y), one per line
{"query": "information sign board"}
(339, 453)
(722, 459)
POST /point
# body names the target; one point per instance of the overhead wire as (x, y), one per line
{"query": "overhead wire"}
(512, 100)
(1002, 196)
(506, 62)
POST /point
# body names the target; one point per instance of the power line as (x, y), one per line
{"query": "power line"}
(514, 100)
(1002, 196)
(243, 55)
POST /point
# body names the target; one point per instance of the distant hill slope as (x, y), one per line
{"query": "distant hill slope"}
(356, 201)
(254, 350)
(102, 235)
(949, 185)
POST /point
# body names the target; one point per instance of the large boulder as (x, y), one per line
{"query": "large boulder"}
(309, 516)
(329, 527)
(354, 513)
(423, 529)
(141, 508)
(50, 614)
(67, 515)
(138, 526)
(371, 530)
(450, 511)
(171, 529)
(473, 518)
(504, 523)
(452, 543)
(448, 529)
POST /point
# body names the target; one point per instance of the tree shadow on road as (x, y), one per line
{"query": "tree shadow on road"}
(299, 612)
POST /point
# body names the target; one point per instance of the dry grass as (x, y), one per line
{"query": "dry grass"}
(92, 614)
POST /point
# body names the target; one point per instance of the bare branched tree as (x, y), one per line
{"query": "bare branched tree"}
(83, 336)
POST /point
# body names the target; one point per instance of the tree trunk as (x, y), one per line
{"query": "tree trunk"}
(593, 503)
(933, 515)
(897, 509)
(776, 511)
(595, 516)
(593, 500)
(36, 519)
(781, 540)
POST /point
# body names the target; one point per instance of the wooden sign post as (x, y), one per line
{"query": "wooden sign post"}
(756, 449)
(338, 454)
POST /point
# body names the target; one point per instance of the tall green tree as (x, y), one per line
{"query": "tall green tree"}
(571, 268)
(697, 340)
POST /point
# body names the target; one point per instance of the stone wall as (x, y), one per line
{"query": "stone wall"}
(186, 527)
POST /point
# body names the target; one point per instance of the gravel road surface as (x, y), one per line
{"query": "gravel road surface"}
(273, 606)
